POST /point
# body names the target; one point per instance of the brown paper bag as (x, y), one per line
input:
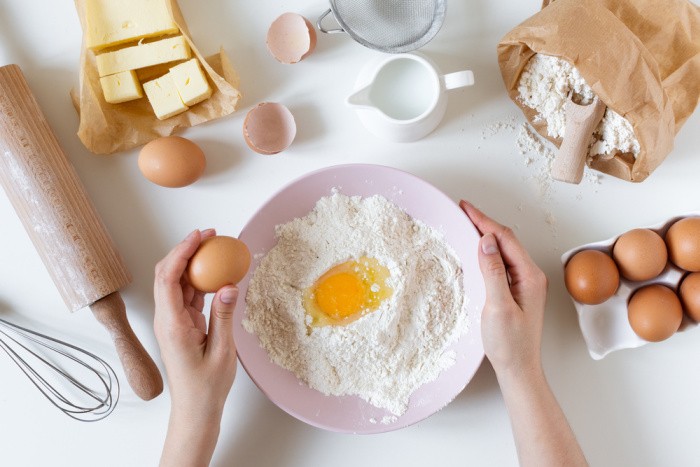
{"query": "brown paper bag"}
(107, 128)
(641, 57)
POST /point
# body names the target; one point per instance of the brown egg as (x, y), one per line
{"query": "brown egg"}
(683, 242)
(218, 261)
(640, 254)
(655, 312)
(269, 128)
(690, 295)
(591, 277)
(291, 38)
(172, 162)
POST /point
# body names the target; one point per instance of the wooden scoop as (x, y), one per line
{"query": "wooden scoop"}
(64, 226)
(581, 120)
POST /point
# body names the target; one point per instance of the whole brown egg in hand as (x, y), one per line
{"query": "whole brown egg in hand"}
(591, 277)
(640, 254)
(683, 241)
(218, 261)
(655, 312)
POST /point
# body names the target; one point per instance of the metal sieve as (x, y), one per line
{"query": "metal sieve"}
(393, 26)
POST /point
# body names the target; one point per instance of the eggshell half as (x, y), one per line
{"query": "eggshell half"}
(291, 38)
(269, 128)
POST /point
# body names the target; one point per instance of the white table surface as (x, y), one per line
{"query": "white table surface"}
(636, 407)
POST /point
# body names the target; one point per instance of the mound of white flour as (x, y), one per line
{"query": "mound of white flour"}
(544, 86)
(387, 354)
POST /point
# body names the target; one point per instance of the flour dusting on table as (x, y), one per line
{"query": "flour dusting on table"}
(387, 354)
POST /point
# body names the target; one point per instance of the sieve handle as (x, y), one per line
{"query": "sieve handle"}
(324, 30)
(458, 79)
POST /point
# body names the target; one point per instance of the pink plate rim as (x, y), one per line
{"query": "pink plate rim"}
(423, 201)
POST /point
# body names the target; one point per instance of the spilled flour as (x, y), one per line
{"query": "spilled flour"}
(537, 155)
(531, 145)
(387, 354)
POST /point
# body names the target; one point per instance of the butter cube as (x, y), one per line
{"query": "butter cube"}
(191, 82)
(164, 98)
(156, 71)
(113, 22)
(121, 87)
(143, 55)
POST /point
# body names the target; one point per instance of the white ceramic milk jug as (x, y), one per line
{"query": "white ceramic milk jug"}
(403, 97)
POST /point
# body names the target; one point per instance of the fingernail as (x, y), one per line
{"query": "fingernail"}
(229, 295)
(489, 245)
(192, 234)
(208, 231)
(464, 204)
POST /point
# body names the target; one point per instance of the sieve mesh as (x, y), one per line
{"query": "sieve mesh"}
(390, 25)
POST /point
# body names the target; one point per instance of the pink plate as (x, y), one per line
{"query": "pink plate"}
(350, 414)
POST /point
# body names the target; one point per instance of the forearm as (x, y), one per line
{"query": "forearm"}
(191, 438)
(543, 437)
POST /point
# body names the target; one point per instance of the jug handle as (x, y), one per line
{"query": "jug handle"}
(320, 27)
(458, 79)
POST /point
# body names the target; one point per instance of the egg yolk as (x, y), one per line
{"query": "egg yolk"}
(347, 292)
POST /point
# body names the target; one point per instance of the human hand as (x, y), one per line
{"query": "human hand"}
(516, 289)
(200, 365)
(511, 328)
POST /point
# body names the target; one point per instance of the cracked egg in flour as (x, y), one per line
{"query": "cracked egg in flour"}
(347, 292)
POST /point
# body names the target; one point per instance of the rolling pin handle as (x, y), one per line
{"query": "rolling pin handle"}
(141, 371)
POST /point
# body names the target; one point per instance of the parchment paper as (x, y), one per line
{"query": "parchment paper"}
(108, 128)
(641, 57)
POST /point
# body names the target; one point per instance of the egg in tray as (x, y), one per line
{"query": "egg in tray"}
(642, 286)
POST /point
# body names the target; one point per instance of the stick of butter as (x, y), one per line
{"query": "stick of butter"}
(164, 98)
(143, 55)
(113, 22)
(122, 87)
(191, 82)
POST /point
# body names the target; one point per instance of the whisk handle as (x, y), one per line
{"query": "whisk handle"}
(141, 371)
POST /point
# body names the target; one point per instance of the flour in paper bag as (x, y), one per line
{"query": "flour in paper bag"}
(544, 86)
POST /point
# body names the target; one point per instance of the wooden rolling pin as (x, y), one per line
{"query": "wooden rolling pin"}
(64, 226)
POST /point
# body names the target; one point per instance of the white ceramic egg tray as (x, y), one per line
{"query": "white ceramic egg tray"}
(605, 327)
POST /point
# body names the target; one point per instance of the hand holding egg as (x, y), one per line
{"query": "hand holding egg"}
(199, 359)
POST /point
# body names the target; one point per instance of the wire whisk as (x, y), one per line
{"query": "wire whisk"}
(79, 383)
